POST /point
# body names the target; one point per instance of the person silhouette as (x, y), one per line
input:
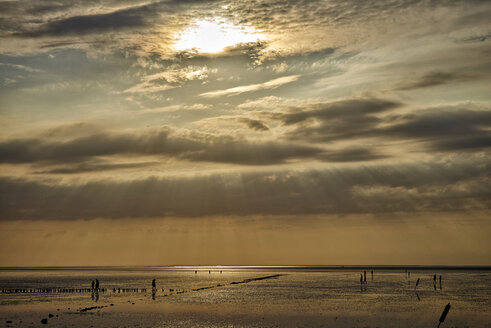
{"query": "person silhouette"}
(372, 274)
(92, 284)
(364, 276)
(440, 282)
(96, 290)
(154, 289)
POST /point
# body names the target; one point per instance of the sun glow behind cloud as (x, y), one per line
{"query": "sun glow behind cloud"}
(213, 35)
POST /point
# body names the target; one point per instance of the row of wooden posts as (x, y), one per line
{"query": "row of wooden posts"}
(73, 290)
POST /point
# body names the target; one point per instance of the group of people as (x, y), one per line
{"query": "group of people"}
(363, 280)
(363, 277)
(95, 290)
(434, 281)
(95, 285)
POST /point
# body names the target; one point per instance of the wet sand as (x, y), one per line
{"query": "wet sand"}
(252, 299)
(225, 315)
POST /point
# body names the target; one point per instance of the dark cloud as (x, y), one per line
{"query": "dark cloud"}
(433, 79)
(439, 128)
(444, 128)
(76, 25)
(94, 167)
(72, 42)
(9, 6)
(346, 119)
(74, 18)
(72, 130)
(42, 8)
(477, 38)
(254, 124)
(160, 143)
(341, 109)
(352, 155)
(245, 153)
(471, 143)
(364, 189)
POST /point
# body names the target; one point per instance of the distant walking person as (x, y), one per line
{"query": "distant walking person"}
(97, 284)
(440, 282)
(154, 289)
(365, 277)
(361, 279)
(434, 281)
(372, 274)
(93, 284)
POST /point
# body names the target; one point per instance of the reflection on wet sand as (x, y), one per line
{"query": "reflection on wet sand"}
(281, 299)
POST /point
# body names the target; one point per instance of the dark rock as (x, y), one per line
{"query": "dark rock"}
(44, 321)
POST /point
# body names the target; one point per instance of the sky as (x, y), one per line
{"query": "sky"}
(187, 132)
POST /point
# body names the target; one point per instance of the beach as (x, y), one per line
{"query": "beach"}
(204, 297)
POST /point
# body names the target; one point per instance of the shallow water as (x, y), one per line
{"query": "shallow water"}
(296, 298)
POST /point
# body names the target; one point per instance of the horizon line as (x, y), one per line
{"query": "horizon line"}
(292, 267)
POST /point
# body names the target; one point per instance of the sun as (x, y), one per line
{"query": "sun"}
(213, 35)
